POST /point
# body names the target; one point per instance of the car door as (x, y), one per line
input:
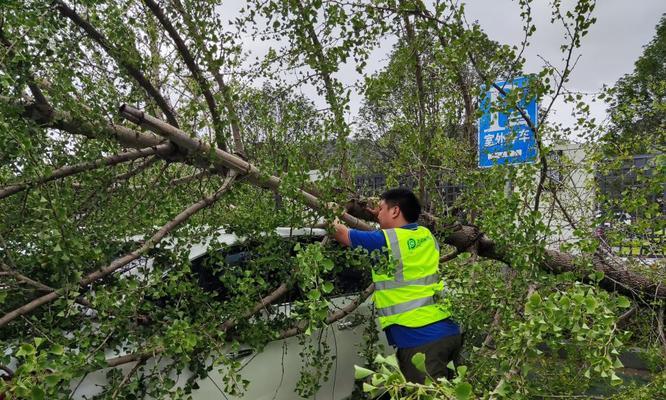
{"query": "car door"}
(274, 372)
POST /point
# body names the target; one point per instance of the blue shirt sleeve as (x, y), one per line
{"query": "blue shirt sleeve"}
(369, 240)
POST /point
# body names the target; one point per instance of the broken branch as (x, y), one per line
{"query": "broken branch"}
(69, 170)
(122, 261)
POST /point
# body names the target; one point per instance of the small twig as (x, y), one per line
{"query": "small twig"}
(70, 170)
(132, 70)
(513, 371)
(450, 256)
(332, 317)
(624, 318)
(510, 274)
(192, 65)
(127, 377)
(660, 328)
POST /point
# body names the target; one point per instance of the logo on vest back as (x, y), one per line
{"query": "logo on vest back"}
(412, 243)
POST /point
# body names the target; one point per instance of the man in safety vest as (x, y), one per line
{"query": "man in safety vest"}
(409, 299)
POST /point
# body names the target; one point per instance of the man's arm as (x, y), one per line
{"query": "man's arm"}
(341, 234)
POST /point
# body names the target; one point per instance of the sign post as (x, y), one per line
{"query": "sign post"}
(504, 136)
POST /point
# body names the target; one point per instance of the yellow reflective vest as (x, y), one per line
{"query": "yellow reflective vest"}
(411, 295)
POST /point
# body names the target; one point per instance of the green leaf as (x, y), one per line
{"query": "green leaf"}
(623, 302)
(57, 349)
(327, 265)
(591, 304)
(503, 389)
(377, 379)
(615, 380)
(392, 360)
(360, 372)
(367, 387)
(462, 371)
(37, 393)
(314, 295)
(618, 363)
(535, 299)
(51, 380)
(25, 350)
(38, 341)
(418, 360)
(327, 287)
(463, 391)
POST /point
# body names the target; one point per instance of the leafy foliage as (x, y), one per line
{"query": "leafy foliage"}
(66, 66)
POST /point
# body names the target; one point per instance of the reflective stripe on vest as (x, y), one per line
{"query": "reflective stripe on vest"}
(428, 280)
(395, 249)
(404, 307)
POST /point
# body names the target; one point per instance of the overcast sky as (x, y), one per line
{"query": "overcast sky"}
(609, 50)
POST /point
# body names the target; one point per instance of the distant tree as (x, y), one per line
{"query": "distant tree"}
(638, 103)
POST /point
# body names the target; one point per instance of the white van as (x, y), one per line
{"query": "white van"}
(274, 372)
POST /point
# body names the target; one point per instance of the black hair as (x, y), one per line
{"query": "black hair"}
(405, 199)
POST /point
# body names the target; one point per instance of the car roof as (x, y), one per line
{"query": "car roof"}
(222, 237)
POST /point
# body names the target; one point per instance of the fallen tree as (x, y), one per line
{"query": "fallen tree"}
(70, 190)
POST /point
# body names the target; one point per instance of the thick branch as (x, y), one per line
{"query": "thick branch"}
(69, 170)
(617, 278)
(332, 317)
(224, 88)
(51, 118)
(187, 56)
(223, 159)
(461, 237)
(122, 261)
(22, 278)
(132, 70)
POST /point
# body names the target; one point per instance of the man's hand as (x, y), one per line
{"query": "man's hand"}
(340, 233)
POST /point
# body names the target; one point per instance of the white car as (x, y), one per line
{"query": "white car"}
(275, 371)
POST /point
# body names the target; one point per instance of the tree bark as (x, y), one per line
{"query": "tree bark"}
(187, 56)
(69, 170)
(132, 70)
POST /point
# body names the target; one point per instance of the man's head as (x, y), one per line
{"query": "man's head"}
(397, 207)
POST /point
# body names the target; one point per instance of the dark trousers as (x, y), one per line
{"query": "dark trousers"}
(437, 355)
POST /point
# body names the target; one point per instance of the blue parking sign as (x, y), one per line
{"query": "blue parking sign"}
(505, 137)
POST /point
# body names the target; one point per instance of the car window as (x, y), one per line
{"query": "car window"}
(215, 272)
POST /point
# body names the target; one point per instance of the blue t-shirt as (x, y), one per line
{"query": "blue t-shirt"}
(397, 335)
